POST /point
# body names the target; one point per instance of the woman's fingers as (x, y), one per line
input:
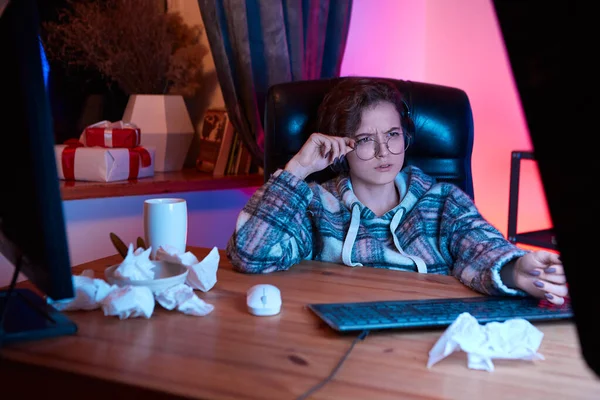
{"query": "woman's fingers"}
(556, 290)
(555, 269)
(332, 148)
(543, 276)
(326, 150)
(556, 300)
(337, 146)
(553, 273)
(554, 278)
(340, 148)
(349, 143)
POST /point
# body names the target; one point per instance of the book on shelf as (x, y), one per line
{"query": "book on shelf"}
(240, 158)
(244, 161)
(231, 157)
(216, 141)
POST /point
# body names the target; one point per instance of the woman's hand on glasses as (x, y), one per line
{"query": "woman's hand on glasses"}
(318, 153)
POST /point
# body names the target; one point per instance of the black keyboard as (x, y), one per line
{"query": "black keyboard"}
(435, 313)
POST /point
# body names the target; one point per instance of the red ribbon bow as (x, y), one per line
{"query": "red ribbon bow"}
(135, 155)
(68, 158)
(112, 134)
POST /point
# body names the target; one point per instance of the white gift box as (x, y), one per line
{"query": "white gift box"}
(101, 164)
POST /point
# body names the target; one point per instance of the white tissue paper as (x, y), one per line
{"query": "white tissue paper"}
(129, 302)
(136, 266)
(92, 293)
(183, 298)
(202, 275)
(512, 339)
(138, 301)
(89, 293)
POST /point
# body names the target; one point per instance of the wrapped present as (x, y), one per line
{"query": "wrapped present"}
(76, 162)
(111, 134)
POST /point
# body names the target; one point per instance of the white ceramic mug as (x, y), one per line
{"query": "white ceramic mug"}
(165, 223)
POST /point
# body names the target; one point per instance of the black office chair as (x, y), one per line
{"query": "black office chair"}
(442, 141)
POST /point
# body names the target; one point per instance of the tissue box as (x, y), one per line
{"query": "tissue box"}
(75, 162)
(111, 134)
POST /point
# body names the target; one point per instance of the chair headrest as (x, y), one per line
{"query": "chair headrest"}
(442, 142)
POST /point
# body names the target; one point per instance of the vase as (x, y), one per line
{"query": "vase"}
(165, 124)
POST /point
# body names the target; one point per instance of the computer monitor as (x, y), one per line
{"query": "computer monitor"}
(32, 228)
(550, 46)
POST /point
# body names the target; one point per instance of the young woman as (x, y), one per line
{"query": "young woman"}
(379, 213)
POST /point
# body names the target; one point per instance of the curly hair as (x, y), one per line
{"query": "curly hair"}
(340, 112)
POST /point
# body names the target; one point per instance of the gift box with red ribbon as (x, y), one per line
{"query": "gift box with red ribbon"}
(77, 162)
(111, 134)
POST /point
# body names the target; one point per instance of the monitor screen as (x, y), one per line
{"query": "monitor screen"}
(550, 49)
(32, 228)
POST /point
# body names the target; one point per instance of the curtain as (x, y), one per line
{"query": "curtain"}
(258, 43)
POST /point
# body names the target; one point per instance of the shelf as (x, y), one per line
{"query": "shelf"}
(186, 180)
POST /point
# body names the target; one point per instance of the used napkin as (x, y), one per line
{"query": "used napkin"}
(129, 302)
(202, 275)
(512, 339)
(91, 293)
(136, 265)
(183, 298)
(138, 301)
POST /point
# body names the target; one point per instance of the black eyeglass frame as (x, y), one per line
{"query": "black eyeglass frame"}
(407, 139)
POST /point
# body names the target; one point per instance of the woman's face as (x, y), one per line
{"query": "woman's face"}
(378, 123)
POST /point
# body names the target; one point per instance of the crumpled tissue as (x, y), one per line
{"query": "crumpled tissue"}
(512, 339)
(91, 294)
(138, 301)
(136, 265)
(202, 275)
(129, 302)
(183, 298)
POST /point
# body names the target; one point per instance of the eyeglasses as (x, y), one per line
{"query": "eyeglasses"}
(367, 148)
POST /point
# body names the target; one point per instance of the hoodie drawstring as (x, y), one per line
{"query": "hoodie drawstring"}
(421, 266)
(353, 232)
(351, 238)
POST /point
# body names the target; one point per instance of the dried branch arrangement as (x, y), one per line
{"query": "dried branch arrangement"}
(130, 42)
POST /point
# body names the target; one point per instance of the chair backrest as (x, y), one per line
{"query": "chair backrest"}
(442, 142)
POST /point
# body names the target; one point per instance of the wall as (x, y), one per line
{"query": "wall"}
(456, 43)
(209, 95)
(450, 42)
(211, 214)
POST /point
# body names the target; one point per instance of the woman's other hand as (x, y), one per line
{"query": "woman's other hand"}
(317, 153)
(541, 274)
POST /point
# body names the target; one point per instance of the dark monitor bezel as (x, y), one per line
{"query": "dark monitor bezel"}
(31, 217)
(32, 227)
(550, 45)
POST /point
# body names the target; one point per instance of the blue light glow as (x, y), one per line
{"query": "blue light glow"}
(45, 65)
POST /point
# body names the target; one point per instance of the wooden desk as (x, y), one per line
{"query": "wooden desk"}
(230, 354)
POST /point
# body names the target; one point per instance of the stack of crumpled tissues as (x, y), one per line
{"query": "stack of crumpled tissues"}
(138, 301)
(515, 339)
